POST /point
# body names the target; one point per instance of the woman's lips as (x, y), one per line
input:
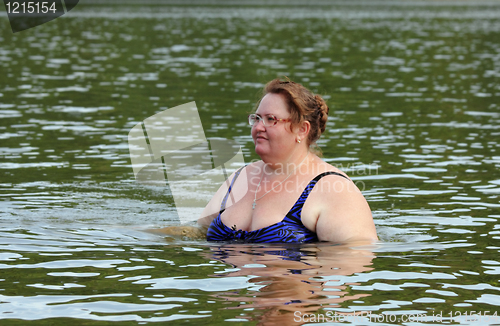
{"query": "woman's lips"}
(259, 137)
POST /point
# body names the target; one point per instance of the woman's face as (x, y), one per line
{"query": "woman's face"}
(275, 143)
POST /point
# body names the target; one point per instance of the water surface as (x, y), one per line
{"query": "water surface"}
(413, 91)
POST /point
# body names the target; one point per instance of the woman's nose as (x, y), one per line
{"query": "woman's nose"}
(259, 125)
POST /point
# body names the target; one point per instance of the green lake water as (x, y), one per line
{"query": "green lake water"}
(413, 90)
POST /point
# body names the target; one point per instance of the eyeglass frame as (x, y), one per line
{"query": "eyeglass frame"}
(258, 117)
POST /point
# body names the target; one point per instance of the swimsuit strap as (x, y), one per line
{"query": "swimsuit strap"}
(296, 210)
(328, 173)
(223, 204)
(314, 181)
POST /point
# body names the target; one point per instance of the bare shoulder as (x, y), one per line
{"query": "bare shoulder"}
(343, 214)
(213, 207)
(336, 187)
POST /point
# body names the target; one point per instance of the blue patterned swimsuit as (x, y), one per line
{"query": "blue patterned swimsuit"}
(290, 229)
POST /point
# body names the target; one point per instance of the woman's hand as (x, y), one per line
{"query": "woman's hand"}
(183, 232)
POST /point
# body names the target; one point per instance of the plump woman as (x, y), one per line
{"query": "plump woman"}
(291, 194)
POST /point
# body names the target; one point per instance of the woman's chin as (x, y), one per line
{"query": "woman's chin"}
(259, 150)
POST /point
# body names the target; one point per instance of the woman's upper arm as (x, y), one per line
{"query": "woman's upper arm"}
(345, 214)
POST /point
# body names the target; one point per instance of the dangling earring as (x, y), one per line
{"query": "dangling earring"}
(298, 140)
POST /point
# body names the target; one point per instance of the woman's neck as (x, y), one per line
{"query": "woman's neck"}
(289, 165)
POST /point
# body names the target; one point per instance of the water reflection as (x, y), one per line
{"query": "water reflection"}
(289, 280)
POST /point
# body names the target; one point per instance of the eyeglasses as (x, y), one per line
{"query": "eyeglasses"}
(268, 120)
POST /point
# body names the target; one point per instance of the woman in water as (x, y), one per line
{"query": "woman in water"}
(291, 195)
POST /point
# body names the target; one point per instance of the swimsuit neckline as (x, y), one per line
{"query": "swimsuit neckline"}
(239, 230)
(314, 180)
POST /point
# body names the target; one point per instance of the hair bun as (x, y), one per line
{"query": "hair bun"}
(323, 110)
